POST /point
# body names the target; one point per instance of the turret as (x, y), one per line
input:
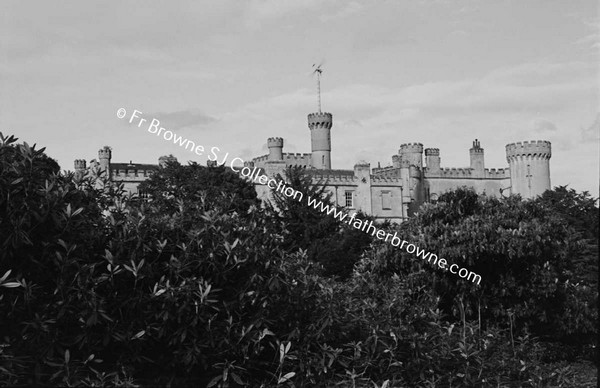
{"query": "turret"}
(432, 158)
(80, 167)
(163, 160)
(104, 156)
(529, 164)
(320, 135)
(80, 164)
(275, 145)
(413, 153)
(477, 163)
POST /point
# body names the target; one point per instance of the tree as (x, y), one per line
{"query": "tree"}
(523, 252)
(219, 187)
(306, 225)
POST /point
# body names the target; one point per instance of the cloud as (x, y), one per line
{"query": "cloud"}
(183, 119)
(592, 40)
(543, 125)
(592, 133)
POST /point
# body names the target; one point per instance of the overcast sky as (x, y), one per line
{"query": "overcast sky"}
(232, 73)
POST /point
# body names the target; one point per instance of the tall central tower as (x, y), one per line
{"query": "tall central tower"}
(320, 124)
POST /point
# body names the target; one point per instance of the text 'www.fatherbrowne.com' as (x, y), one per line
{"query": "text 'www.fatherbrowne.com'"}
(396, 241)
(254, 175)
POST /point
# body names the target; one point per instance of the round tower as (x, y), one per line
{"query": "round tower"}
(320, 139)
(275, 145)
(413, 153)
(529, 164)
(104, 156)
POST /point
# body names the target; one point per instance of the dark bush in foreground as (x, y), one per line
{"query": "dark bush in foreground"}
(190, 289)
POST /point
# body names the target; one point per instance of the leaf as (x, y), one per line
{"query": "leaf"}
(237, 379)
(11, 284)
(5, 275)
(214, 381)
(139, 334)
(286, 377)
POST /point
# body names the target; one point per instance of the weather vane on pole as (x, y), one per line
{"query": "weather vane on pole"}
(318, 71)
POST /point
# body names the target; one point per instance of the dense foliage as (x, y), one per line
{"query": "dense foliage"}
(335, 245)
(202, 286)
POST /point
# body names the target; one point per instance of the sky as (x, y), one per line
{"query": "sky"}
(231, 74)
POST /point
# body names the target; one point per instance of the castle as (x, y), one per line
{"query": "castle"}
(390, 193)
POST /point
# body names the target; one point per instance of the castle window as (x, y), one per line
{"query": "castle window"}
(323, 159)
(386, 200)
(349, 199)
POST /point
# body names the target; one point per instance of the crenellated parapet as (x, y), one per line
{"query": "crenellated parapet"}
(275, 142)
(80, 164)
(105, 153)
(413, 153)
(131, 174)
(456, 172)
(382, 170)
(432, 152)
(339, 177)
(260, 159)
(492, 173)
(297, 159)
(332, 179)
(385, 180)
(320, 120)
(476, 149)
(411, 147)
(534, 149)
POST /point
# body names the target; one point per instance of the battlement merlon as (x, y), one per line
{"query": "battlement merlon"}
(432, 152)
(534, 148)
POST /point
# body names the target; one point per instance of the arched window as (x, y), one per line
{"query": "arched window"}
(323, 159)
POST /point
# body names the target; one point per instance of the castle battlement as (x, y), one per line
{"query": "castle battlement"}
(80, 164)
(385, 180)
(534, 148)
(432, 152)
(380, 170)
(262, 158)
(275, 142)
(320, 120)
(411, 147)
(493, 173)
(131, 175)
(456, 172)
(104, 153)
(335, 179)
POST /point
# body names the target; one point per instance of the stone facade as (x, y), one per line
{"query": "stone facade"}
(388, 193)
(395, 192)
